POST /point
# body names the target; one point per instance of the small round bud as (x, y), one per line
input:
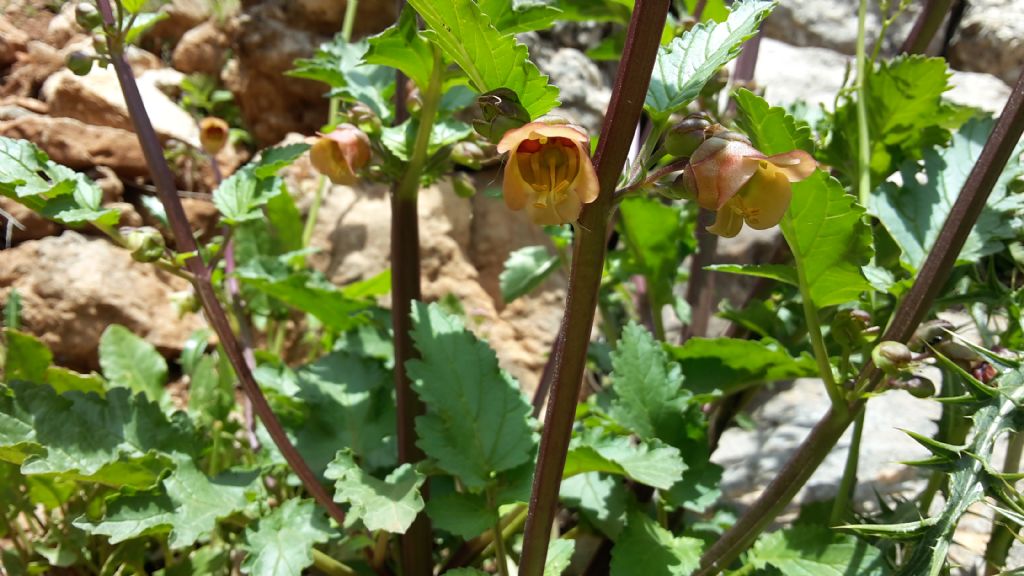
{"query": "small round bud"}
(891, 357)
(364, 118)
(87, 16)
(79, 63)
(917, 386)
(213, 134)
(463, 185)
(341, 153)
(145, 242)
(468, 154)
(414, 102)
(99, 44)
(685, 136)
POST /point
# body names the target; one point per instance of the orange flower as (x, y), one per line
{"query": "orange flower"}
(729, 175)
(341, 153)
(549, 171)
(213, 134)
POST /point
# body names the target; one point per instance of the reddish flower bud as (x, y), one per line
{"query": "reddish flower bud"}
(341, 153)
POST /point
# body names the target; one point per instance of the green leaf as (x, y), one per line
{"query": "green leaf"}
(700, 487)
(650, 399)
(63, 380)
(646, 548)
(282, 543)
(27, 357)
(516, 17)
(143, 23)
(402, 47)
(559, 556)
(653, 230)
(688, 62)
(777, 272)
(309, 293)
(772, 130)
(133, 6)
(188, 506)
(117, 440)
(399, 139)
(130, 362)
(824, 226)
(339, 64)
(284, 216)
(649, 462)
(273, 159)
(390, 505)
(817, 551)
(463, 514)
(489, 58)
(830, 240)
(713, 10)
(714, 366)
(477, 422)
(525, 269)
(210, 397)
(600, 498)
(241, 196)
(915, 213)
(12, 310)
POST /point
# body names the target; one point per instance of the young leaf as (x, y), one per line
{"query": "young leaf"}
(715, 366)
(477, 421)
(688, 62)
(117, 440)
(650, 399)
(130, 362)
(210, 397)
(489, 58)
(915, 212)
(339, 64)
(188, 506)
(240, 197)
(777, 272)
(390, 505)
(282, 543)
(809, 549)
(273, 159)
(559, 556)
(63, 380)
(646, 548)
(770, 127)
(402, 47)
(310, 294)
(525, 269)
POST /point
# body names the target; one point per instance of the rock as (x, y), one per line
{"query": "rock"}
(202, 216)
(30, 225)
(783, 418)
(202, 50)
(63, 27)
(79, 145)
(14, 107)
(96, 99)
(37, 63)
(814, 75)
(583, 89)
(12, 41)
(182, 16)
(990, 39)
(327, 16)
(73, 287)
(834, 25)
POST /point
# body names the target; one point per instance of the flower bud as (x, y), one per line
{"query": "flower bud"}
(463, 185)
(848, 327)
(99, 44)
(146, 243)
(87, 16)
(918, 386)
(213, 134)
(891, 357)
(79, 63)
(341, 153)
(685, 136)
(501, 112)
(468, 154)
(364, 118)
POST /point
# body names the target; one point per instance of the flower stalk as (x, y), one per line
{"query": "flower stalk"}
(585, 276)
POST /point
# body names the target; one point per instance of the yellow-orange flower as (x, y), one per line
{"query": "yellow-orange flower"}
(742, 184)
(549, 172)
(341, 153)
(213, 134)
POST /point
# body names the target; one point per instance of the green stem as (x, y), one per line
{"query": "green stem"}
(350, 19)
(848, 485)
(330, 566)
(634, 75)
(1003, 535)
(863, 139)
(500, 556)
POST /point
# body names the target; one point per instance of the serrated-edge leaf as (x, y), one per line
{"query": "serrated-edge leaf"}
(390, 504)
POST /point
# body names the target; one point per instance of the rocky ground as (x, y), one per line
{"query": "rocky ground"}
(74, 283)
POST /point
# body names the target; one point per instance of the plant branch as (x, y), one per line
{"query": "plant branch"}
(912, 310)
(215, 314)
(585, 276)
(927, 24)
(863, 138)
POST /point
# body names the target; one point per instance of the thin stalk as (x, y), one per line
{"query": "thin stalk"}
(927, 24)
(863, 139)
(321, 187)
(330, 566)
(351, 6)
(215, 314)
(499, 549)
(848, 485)
(911, 311)
(1003, 535)
(620, 122)
(471, 549)
(405, 288)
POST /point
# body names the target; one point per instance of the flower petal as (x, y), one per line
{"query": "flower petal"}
(516, 191)
(586, 186)
(796, 165)
(564, 212)
(727, 223)
(536, 130)
(765, 199)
